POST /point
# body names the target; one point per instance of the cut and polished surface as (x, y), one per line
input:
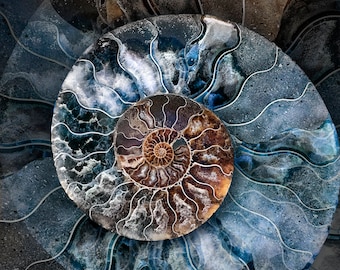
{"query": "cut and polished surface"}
(286, 151)
(277, 213)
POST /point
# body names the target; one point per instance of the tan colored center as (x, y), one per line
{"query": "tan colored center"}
(157, 152)
(162, 150)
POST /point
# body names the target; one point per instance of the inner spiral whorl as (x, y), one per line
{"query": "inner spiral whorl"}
(157, 151)
(162, 153)
(166, 156)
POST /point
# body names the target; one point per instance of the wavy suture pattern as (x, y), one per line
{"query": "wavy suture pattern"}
(285, 184)
(318, 20)
(324, 69)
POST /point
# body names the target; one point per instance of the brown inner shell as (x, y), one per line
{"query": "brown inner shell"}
(177, 158)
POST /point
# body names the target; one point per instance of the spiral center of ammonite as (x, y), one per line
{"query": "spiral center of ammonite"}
(161, 150)
(157, 148)
(150, 154)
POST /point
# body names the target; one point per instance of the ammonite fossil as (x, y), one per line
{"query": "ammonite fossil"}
(286, 156)
(172, 157)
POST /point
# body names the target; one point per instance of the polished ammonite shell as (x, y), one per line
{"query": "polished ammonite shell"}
(177, 161)
(285, 184)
